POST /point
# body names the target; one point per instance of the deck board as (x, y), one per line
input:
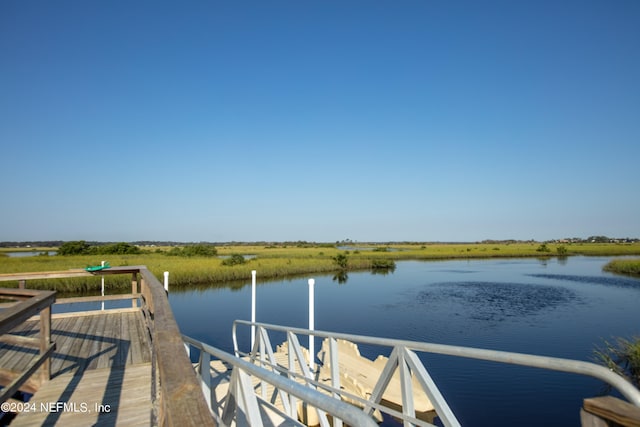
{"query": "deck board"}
(64, 335)
(100, 359)
(141, 353)
(94, 397)
(97, 341)
(108, 351)
(125, 330)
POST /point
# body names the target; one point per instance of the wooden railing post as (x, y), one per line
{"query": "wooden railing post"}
(134, 289)
(30, 302)
(45, 342)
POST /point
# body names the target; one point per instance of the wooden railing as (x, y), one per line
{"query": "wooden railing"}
(29, 303)
(609, 411)
(175, 393)
(180, 400)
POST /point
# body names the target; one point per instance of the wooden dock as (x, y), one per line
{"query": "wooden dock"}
(94, 355)
(112, 338)
(109, 396)
(122, 366)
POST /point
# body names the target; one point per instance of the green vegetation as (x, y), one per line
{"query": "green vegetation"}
(193, 251)
(80, 247)
(381, 264)
(341, 260)
(630, 267)
(623, 358)
(543, 248)
(234, 259)
(206, 265)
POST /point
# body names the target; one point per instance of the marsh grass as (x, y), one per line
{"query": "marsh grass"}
(623, 357)
(277, 261)
(630, 267)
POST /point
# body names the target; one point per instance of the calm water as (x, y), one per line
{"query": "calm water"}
(555, 308)
(29, 253)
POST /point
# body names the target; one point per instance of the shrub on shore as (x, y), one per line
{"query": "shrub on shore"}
(194, 251)
(234, 259)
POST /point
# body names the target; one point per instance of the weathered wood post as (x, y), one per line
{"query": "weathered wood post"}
(606, 411)
(45, 342)
(134, 289)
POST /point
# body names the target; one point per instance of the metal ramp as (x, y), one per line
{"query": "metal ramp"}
(234, 401)
(263, 387)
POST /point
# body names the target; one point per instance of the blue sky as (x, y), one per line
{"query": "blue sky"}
(319, 120)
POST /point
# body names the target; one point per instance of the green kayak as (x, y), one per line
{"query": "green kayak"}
(97, 267)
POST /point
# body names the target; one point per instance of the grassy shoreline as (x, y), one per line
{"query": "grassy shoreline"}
(280, 261)
(628, 267)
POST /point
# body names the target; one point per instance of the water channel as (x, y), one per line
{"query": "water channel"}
(562, 308)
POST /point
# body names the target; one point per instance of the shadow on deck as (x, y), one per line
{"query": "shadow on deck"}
(105, 367)
(98, 358)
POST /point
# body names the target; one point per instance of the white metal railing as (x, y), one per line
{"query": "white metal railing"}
(242, 405)
(403, 358)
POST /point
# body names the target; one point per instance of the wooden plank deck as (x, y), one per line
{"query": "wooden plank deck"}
(96, 341)
(104, 397)
(101, 358)
(87, 344)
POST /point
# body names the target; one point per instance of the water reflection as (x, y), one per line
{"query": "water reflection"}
(544, 261)
(341, 277)
(383, 271)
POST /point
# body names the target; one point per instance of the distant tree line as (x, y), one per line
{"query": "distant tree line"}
(80, 247)
(299, 243)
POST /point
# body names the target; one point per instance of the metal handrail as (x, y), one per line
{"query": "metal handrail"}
(627, 389)
(348, 413)
(315, 383)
